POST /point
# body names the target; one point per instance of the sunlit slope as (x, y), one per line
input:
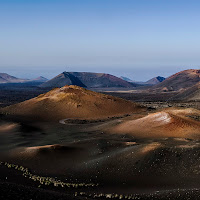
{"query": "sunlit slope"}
(179, 81)
(73, 102)
(167, 123)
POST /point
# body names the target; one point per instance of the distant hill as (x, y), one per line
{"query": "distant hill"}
(179, 81)
(101, 80)
(61, 80)
(155, 80)
(87, 79)
(72, 102)
(40, 79)
(6, 78)
(152, 81)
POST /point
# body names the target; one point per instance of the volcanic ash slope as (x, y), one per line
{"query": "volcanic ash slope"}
(73, 102)
(179, 81)
(190, 94)
(167, 123)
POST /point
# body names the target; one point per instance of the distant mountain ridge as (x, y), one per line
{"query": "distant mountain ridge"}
(6, 78)
(87, 79)
(61, 80)
(155, 80)
(97, 80)
(40, 79)
(152, 81)
(178, 82)
(83, 79)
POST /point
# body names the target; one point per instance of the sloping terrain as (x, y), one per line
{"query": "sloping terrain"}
(8, 127)
(179, 81)
(61, 80)
(155, 80)
(101, 80)
(40, 79)
(72, 102)
(115, 162)
(126, 79)
(190, 94)
(152, 81)
(167, 123)
(6, 78)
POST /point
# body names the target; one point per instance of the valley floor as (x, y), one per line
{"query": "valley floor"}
(83, 160)
(109, 166)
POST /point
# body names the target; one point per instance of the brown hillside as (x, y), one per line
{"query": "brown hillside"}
(61, 80)
(167, 123)
(190, 94)
(179, 81)
(101, 80)
(72, 102)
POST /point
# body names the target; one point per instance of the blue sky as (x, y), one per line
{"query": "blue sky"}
(135, 38)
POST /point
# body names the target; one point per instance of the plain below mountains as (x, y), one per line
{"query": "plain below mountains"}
(72, 102)
(87, 79)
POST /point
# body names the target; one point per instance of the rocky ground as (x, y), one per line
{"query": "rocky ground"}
(79, 159)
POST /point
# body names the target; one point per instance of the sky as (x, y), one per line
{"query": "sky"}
(139, 39)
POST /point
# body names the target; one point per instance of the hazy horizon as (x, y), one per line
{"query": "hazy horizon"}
(137, 75)
(139, 39)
